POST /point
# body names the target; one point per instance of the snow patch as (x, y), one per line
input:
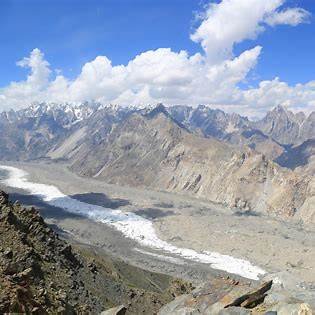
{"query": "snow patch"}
(130, 224)
(231, 128)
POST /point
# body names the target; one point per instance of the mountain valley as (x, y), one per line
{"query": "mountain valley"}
(200, 177)
(224, 158)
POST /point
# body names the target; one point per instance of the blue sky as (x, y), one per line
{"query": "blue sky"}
(72, 33)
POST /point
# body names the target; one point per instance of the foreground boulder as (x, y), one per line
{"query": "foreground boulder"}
(253, 298)
(238, 299)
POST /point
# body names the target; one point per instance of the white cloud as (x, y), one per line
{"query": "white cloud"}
(163, 75)
(275, 92)
(231, 21)
(23, 92)
(40, 71)
(292, 16)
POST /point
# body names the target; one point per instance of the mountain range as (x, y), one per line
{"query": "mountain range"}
(265, 166)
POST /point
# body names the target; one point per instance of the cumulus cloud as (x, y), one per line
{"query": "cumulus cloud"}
(230, 22)
(273, 92)
(23, 92)
(39, 68)
(162, 75)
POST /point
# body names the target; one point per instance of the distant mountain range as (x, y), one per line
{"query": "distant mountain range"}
(31, 132)
(225, 158)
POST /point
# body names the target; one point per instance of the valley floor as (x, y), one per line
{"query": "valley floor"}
(285, 249)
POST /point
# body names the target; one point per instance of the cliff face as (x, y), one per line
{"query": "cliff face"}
(287, 127)
(41, 274)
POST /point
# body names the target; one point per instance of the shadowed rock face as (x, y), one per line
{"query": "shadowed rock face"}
(296, 156)
(238, 300)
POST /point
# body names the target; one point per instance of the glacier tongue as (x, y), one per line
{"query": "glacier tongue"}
(130, 224)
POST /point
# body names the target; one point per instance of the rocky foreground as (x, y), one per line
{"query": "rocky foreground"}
(42, 274)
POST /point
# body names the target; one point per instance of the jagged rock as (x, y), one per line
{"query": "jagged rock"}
(238, 297)
(253, 298)
(10, 268)
(67, 252)
(227, 297)
(92, 266)
(119, 310)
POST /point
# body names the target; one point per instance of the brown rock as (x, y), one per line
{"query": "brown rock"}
(253, 298)
(119, 310)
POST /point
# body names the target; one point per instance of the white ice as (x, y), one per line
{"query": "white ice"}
(130, 224)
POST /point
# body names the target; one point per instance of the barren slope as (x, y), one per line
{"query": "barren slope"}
(153, 151)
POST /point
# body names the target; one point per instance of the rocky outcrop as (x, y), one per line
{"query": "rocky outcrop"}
(233, 299)
(253, 298)
(287, 127)
(36, 267)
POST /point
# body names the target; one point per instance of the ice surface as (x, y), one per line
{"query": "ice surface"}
(131, 225)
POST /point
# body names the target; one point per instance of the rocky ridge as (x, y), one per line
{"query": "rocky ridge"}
(156, 152)
(36, 267)
(30, 133)
(286, 127)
